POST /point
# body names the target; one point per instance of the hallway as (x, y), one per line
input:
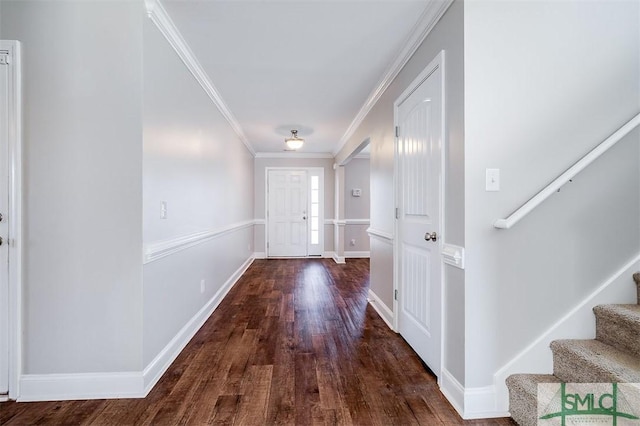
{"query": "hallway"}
(294, 342)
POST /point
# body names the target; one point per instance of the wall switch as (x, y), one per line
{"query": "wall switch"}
(163, 209)
(202, 286)
(353, 242)
(356, 192)
(493, 180)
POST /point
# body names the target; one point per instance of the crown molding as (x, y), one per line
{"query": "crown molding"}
(165, 24)
(420, 31)
(289, 154)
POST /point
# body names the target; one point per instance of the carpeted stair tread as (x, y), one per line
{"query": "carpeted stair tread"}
(523, 393)
(591, 361)
(619, 326)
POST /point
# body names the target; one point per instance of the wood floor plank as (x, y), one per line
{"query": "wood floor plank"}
(294, 342)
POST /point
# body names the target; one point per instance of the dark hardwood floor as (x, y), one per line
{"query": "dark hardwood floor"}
(293, 343)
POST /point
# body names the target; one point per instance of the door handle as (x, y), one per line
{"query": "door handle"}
(430, 236)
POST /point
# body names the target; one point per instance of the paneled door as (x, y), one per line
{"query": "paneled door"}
(6, 62)
(287, 213)
(419, 121)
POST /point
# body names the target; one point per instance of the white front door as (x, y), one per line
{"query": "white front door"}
(287, 213)
(419, 118)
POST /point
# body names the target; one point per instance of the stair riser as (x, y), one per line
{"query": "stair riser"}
(571, 369)
(621, 335)
(523, 408)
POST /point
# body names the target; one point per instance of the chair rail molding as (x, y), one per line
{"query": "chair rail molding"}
(380, 235)
(158, 250)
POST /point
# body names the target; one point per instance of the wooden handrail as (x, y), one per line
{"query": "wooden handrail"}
(569, 174)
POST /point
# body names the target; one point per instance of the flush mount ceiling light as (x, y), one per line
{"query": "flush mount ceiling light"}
(294, 142)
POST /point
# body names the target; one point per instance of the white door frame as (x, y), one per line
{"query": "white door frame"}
(14, 214)
(437, 62)
(310, 171)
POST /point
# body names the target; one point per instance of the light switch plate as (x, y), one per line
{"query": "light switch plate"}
(492, 180)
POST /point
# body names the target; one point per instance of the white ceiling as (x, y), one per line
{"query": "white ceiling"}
(308, 65)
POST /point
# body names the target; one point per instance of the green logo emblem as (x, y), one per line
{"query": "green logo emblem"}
(616, 404)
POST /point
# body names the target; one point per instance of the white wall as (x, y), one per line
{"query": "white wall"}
(260, 165)
(82, 290)
(356, 175)
(545, 82)
(379, 127)
(196, 164)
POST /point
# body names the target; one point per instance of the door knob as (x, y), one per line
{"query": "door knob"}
(0, 241)
(430, 236)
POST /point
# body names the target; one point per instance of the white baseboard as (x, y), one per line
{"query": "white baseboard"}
(333, 255)
(357, 254)
(134, 384)
(470, 403)
(156, 368)
(59, 387)
(381, 308)
(480, 403)
(578, 323)
(452, 390)
(259, 255)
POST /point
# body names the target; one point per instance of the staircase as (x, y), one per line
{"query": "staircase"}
(614, 356)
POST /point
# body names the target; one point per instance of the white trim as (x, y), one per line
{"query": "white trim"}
(480, 403)
(569, 174)
(470, 403)
(259, 255)
(357, 254)
(289, 154)
(156, 368)
(452, 390)
(380, 235)
(453, 255)
(357, 151)
(344, 222)
(162, 20)
(332, 255)
(381, 308)
(357, 221)
(262, 222)
(419, 33)
(14, 240)
(158, 250)
(59, 387)
(578, 323)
